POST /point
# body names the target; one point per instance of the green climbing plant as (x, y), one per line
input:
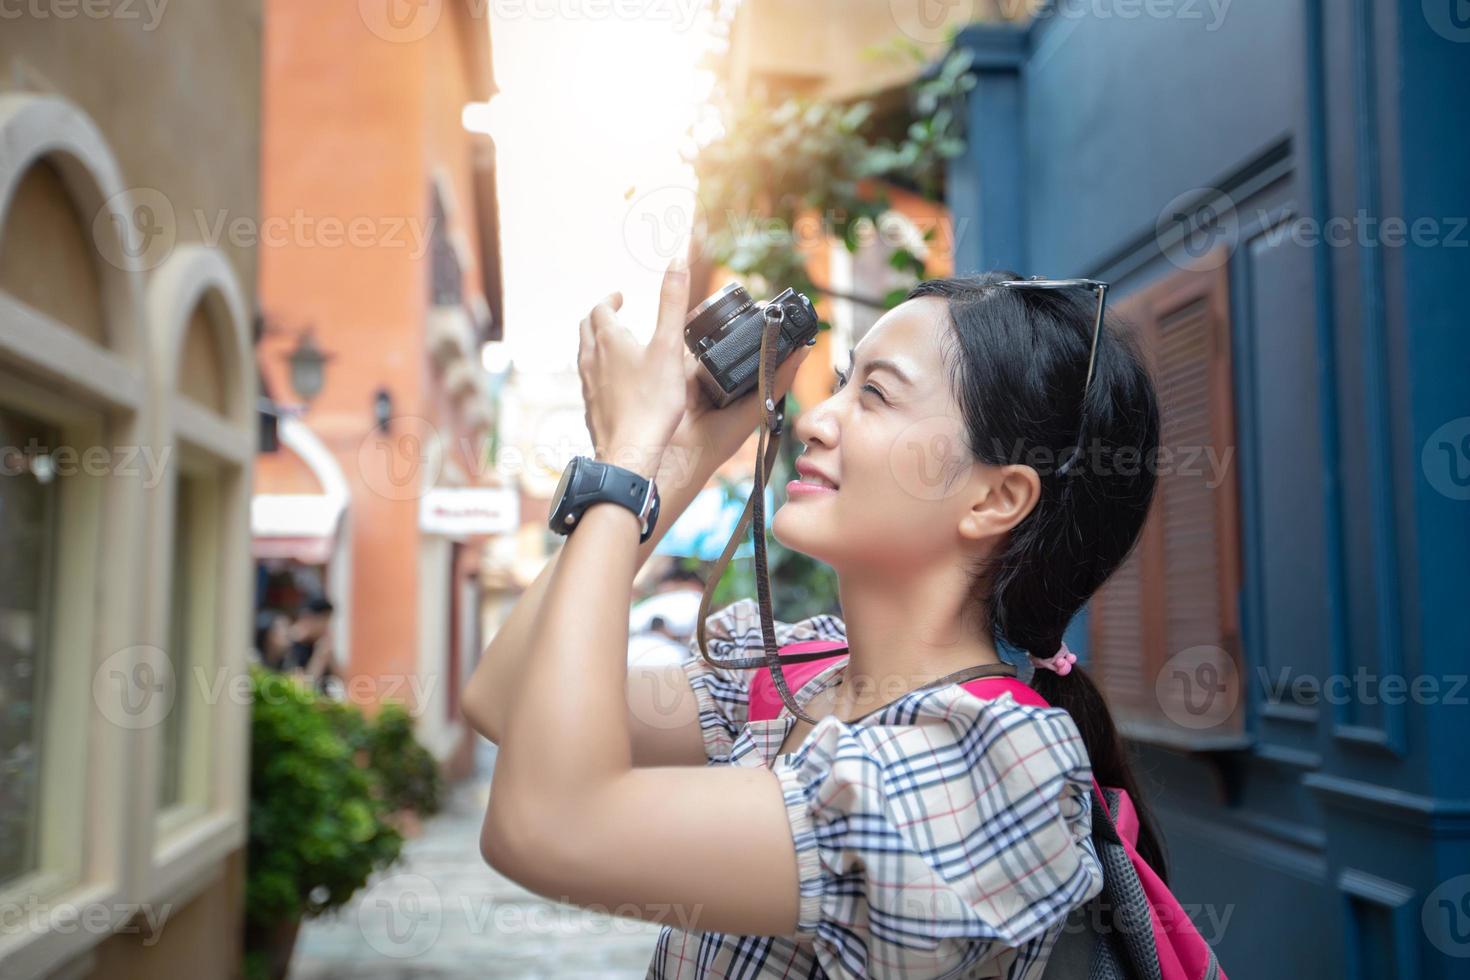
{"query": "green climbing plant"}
(806, 169)
(759, 186)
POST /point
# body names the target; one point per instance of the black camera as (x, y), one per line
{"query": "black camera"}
(724, 334)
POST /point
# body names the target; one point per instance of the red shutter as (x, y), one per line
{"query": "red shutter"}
(1164, 632)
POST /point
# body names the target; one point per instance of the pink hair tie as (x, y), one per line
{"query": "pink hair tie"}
(1060, 662)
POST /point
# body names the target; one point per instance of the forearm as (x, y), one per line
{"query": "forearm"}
(492, 686)
(570, 818)
(566, 732)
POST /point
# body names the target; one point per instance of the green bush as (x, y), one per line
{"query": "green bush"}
(318, 826)
(411, 778)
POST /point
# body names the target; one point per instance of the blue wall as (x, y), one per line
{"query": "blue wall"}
(1336, 841)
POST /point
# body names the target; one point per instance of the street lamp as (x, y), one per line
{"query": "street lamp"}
(308, 362)
(383, 409)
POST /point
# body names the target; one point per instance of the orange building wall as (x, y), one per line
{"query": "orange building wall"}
(354, 128)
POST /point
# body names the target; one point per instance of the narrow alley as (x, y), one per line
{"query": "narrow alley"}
(441, 912)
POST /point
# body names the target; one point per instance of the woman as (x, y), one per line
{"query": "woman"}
(272, 639)
(913, 831)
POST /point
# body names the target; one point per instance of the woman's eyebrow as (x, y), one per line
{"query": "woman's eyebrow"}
(876, 363)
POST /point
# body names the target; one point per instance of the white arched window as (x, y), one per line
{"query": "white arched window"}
(199, 605)
(126, 435)
(74, 423)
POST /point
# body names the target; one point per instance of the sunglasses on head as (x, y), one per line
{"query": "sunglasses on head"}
(1101, 289)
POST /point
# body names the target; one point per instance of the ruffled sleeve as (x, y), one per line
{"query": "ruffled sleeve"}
(943, 843)
(722, 694)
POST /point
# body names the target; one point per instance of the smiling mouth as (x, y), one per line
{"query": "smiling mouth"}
(809, 485)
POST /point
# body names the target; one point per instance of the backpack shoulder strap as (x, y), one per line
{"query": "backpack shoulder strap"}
(989, 688)
(765, 700)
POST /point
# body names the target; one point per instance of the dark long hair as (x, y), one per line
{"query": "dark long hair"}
(1018, 362)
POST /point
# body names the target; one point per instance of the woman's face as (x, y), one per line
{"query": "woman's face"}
(908, 491)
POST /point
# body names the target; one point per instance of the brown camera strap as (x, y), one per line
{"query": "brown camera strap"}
(773, 420)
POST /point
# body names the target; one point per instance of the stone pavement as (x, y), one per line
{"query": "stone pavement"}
(441, 912)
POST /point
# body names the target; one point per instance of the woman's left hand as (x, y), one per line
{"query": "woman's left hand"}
(635, 394)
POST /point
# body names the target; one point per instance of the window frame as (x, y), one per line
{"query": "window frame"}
(186, 842)
(53, 371)
(1145, 719)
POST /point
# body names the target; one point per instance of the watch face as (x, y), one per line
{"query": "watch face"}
(558, 515)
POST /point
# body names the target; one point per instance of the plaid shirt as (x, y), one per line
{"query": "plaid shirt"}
(942, 836)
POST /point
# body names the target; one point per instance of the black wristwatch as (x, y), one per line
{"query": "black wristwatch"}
(588, 481)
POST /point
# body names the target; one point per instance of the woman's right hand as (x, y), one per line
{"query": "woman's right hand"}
(712, 435)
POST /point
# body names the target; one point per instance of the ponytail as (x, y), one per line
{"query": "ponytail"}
(1105, 750)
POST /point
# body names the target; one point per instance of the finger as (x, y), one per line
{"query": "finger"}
(604, 315)
(673, 303)
(586, 342)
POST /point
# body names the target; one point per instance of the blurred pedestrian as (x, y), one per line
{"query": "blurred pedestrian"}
(272, 647)
(661, 627)
(312, 652)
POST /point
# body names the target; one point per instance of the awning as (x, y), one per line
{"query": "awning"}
(308, 551)
(301, 526)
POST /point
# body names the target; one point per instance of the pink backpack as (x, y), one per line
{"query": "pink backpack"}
(1169, 948)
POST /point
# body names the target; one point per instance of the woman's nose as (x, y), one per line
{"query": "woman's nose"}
(816, 424)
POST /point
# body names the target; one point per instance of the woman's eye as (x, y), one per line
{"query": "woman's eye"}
(842, 382)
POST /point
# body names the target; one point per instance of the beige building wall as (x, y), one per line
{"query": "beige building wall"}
(842, 48)
(129, 176)
(176, 94)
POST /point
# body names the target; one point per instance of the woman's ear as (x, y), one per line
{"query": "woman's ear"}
(1006, 494)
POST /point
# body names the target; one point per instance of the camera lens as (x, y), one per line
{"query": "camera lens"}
(723, 306)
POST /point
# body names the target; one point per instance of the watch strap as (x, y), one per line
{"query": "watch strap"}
(595, 481)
